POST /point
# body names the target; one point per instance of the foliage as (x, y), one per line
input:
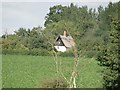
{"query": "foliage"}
(57, 83)
(109, 53)
(39, 52)
(78, 21)
(66, 54)
(109, 57)
(15, 51)
(53, 30)
(25, 42)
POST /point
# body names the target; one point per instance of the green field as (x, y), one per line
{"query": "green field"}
(32, 71)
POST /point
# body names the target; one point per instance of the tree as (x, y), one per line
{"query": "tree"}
(51, 32)
(110, 58)
(82, 19)
(109, 55)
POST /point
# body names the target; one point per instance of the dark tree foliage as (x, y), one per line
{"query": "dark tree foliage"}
(109, 53)
(110, 58)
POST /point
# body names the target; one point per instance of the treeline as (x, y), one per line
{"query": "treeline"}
(25, 42)
(88, 27)
(78, 20)
(96, 34)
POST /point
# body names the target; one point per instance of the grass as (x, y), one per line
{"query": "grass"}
(31, 71)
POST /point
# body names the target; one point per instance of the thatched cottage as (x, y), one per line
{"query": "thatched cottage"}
(64, 43)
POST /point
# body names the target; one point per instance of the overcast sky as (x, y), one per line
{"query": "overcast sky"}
(31, 14)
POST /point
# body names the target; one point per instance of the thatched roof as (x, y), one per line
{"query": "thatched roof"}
(67, 40)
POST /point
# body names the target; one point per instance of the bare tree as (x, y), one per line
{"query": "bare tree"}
(72, 80)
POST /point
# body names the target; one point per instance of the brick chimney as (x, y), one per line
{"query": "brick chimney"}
(65, 33)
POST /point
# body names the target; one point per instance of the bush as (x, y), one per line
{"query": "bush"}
(15, 51)
(36, 52)
(66, 54)
(41, 52)
(55, 83)
(91, 54)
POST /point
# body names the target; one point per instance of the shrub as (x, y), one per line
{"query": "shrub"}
(41, 52)
(66, 54)
(55, 83)
(35, 52)
(15, 51)
(91, 54)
